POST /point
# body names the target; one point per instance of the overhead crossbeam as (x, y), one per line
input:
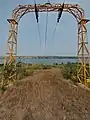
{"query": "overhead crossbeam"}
(75, 10)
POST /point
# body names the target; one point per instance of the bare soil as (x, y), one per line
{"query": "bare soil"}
(45, 96)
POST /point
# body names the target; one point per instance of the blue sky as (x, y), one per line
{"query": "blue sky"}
(65, 41)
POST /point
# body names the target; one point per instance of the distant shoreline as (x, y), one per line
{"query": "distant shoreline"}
(46, 57)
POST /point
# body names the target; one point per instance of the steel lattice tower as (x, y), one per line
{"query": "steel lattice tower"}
(75, 10)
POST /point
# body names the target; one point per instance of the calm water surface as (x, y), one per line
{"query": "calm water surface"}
(44, 61)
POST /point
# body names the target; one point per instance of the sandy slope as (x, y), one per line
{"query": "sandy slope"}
(45, 96)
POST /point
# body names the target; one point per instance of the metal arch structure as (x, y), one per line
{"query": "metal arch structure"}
(75, 10)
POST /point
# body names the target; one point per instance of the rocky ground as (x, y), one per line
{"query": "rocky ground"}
(45, 96)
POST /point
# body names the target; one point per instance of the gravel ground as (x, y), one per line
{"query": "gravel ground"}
(45, 96)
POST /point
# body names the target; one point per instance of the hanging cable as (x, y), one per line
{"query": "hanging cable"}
(60, 12)
(39, 33)
(46, 28)
(54, 31)
(36, 12)
(37, 16)
(48, 3)
(59, 16)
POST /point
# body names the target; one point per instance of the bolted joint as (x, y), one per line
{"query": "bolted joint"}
(13, 21)
(84, 21)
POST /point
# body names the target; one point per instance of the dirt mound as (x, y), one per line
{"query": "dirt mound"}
(45, 96)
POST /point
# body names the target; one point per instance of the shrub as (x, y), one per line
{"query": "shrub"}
(28, 72)
(43, 66)
(69, 71)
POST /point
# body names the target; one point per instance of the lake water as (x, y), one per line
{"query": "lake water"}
(44, 61)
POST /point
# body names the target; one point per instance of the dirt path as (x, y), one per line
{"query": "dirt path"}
(45, 96)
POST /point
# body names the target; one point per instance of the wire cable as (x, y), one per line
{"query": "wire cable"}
(46, 28)
(60, 12)
(38, 27)
(47, 24)
(59, 16)
(54, 31)
(39, 34)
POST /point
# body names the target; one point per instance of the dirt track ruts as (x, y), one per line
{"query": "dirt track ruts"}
(45, 96)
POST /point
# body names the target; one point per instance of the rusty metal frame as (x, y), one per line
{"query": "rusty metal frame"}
(75, 10)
